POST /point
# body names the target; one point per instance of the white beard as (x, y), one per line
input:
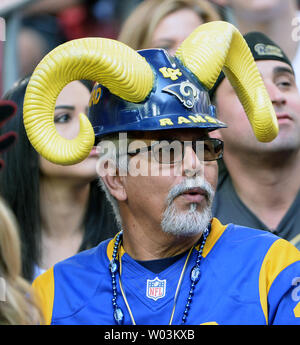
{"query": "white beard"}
(191, 222)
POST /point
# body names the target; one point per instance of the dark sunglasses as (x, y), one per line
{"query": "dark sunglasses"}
(172, 151)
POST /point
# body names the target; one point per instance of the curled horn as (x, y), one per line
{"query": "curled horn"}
(111, 63)
(217, 46)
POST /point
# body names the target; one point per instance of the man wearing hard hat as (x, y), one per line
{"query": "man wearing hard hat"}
(171, 262)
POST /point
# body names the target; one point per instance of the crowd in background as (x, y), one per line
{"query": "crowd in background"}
(44, 24)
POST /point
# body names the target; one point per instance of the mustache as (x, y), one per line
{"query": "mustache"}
(191, 183)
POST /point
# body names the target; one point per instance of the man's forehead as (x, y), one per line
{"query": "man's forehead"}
(266, 68)
(176, 134)
(274, 67)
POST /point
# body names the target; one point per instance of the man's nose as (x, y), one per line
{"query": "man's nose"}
(276, 95)
(191, 164)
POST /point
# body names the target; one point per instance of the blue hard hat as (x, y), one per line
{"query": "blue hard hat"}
(177, 100)
(146, 90)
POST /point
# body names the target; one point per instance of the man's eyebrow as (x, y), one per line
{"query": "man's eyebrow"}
(280, 69)
(70, 107)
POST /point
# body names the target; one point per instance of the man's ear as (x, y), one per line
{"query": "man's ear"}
(108, 171)
(115, 184)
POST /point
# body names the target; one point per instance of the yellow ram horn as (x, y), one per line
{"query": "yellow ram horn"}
(111, 63)
(217, 46)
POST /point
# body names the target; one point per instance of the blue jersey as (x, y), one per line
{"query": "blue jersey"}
(247, 277)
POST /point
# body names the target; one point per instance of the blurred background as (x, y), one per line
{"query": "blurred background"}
(34, 27)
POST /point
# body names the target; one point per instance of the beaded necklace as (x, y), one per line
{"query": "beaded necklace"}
(114, 267)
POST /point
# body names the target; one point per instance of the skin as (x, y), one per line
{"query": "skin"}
(72, 101)
(64, 190)
(275, 18)
(258, 6)
(280, 83)
(174, 28)
(271, 168)
(142, 199)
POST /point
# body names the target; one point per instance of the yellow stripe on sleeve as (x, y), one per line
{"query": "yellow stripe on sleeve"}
(297, 310)
(280, 255)
(44, 289)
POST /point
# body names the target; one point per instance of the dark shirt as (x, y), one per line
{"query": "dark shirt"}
(159, 265)
(229, 208)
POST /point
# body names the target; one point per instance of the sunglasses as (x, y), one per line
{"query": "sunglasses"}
(172, 151)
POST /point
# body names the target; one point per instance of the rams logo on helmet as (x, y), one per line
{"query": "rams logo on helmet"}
(186, 92)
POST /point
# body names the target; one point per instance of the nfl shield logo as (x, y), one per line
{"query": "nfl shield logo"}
(156, 288)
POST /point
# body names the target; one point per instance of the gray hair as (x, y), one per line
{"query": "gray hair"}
(191, 222)
(113, 201)
(116, 156)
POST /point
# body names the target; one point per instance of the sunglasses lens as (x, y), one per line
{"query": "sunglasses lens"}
(213, 149)
(170, 152)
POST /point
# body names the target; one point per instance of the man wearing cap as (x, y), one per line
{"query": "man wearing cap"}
(171, 262)
(259, 187)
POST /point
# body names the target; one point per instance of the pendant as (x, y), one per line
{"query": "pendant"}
(113, 266)
(119, 316)
(195, 274)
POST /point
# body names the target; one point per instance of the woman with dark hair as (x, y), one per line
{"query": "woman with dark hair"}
(60, 209)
